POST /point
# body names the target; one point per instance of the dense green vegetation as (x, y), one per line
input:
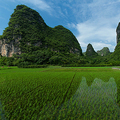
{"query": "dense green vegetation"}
(52, 58)
(48, 92)
(90, 51)
(41, 44)
(54, 93)
(116, 55)
(105, 51)
(27, 26)
(118, 32)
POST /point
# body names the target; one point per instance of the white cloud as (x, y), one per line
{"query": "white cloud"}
(52, 7)
(92, 30)
(111, 3)
(99, 24)
(97, 46)
(59, 12)
(5, 7)
(71, 25)
(96, 32)
(40, 4)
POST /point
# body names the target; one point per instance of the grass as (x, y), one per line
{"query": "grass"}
(59, 93)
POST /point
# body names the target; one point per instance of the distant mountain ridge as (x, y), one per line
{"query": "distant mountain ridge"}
(27, 32)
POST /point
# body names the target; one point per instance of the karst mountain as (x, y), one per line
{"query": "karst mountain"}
(27, 32)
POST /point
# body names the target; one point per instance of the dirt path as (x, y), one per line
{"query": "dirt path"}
(116, 68)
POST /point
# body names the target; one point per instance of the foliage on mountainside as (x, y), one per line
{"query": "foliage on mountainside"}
(24, 22)
(41, 44)
(103, 52)
(28, 26)
(90, 52)
(62, 39)
(116, 54)
(118, 32)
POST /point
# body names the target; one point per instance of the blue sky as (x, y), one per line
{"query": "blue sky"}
(91, 21)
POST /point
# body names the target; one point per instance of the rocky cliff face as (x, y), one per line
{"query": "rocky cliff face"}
(105, 51)
(9, 49)
(90, 51)
(28, 32)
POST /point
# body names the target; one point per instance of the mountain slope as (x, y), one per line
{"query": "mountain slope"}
(118, 33)
(116, 54)
(28, 32)
(90, 51)
(105, 51)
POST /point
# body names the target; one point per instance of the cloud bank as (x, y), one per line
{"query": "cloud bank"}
(99, 28)
(41, 4)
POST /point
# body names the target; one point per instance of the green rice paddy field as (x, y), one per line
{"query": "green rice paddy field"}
(60, 93)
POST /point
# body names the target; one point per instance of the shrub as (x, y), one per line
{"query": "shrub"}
(27, 65)
(23, 64)
(86, 65)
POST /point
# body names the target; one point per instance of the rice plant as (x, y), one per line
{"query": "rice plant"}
(60, 93)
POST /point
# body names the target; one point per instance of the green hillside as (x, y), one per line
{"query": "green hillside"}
(116, 54)
(90, 51)
(105, 51)
(29, 27)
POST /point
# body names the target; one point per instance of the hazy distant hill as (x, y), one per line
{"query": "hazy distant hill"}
(103, 52)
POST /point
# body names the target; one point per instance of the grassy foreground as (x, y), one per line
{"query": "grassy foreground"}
(57, 93)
